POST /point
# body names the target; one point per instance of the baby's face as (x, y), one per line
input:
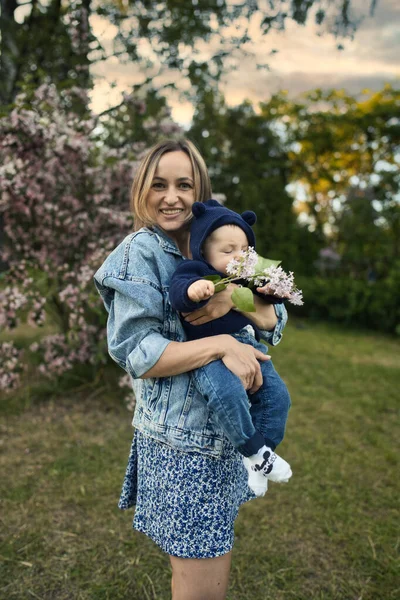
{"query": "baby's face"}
(224, 244)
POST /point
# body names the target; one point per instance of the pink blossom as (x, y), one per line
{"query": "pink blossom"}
(281, 284)
(126, 384)
(244, 266)
(275, 280)
(11, 366)
(64, 199)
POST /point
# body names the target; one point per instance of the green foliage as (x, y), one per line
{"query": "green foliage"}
(51, 45)
(265, 263)
(174, 29)
(335, 143)
(141, 118)
(367, 237)
(243, 299)
(355, 302)
(249, 165)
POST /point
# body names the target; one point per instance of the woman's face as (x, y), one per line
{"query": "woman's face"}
(172, 193)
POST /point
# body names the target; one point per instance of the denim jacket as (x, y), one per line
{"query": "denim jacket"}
(133, 283)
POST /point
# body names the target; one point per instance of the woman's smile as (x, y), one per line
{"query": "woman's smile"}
(172, 194)
(171, 211)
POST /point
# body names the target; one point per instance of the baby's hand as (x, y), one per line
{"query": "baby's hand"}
(268, 291)
(201, 290)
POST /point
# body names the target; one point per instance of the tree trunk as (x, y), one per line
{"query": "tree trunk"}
(8, 50)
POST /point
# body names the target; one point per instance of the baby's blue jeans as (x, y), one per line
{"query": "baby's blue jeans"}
(248, 420)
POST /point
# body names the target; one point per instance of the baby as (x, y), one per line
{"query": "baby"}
(254, 423)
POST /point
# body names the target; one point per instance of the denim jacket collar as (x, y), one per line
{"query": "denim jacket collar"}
(165, 242)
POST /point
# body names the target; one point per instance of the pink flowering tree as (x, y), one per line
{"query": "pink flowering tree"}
(64, 202)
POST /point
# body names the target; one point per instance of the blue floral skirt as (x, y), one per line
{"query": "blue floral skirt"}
(186, 502)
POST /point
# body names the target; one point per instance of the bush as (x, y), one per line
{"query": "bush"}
(375, 305)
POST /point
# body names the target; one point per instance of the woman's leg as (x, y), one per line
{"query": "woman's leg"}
(200, 578)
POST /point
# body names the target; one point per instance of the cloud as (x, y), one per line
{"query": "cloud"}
(298, 82)
(387, 13)
(304, 61)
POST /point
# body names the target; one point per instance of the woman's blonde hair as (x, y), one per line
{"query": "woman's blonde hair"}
(146, 171)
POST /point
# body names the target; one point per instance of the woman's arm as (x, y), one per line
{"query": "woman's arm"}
(241, 359)
(265, 316)
(220, 304)
(136, 341)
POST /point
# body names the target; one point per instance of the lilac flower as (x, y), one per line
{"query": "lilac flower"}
(296, 298)
(244, 266)
(281, 284)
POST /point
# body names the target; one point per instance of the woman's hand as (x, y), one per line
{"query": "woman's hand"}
(242, 360)
(218, 306)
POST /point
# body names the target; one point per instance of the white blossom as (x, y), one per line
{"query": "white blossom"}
(274, 279)
(281, 284)
(244, 266)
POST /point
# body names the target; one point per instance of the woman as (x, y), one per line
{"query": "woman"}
(184, 477)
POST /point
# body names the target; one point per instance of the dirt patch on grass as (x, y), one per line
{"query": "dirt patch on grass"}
(391, 362)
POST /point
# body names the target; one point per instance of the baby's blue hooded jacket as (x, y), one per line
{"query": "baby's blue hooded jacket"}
(208, 216)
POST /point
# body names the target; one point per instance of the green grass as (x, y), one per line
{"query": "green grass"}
(331, 533)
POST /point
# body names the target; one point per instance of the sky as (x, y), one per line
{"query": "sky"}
(303, 61)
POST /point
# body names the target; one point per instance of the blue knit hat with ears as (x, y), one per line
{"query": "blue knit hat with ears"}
(210, 215)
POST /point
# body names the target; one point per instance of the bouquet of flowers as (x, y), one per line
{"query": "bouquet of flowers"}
(261, 273)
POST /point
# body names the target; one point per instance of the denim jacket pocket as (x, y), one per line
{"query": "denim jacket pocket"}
(172, 326)
(152, 394)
